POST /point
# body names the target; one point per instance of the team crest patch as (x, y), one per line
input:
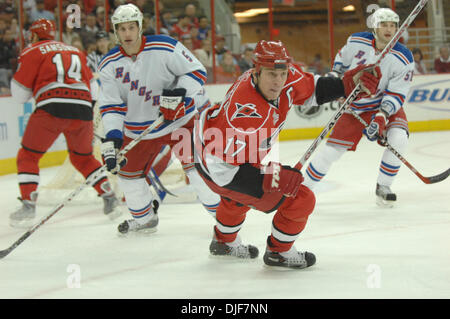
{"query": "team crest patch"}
(245, 110)
(246, 115)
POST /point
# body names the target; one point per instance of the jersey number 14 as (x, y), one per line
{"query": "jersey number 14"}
(74, 71)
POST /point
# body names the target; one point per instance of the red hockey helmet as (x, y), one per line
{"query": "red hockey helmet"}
(45, 29)
(271, 54)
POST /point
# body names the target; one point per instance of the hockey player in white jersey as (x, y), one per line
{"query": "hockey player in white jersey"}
(383, 111)
(142, 77)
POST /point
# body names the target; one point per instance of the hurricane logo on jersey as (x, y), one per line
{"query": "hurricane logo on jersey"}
(245, 110)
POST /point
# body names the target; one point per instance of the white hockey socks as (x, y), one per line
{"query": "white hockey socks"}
(390, 164)
(321, 163)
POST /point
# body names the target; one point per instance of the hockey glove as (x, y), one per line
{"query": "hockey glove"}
(172, 104)
(367, 75)
(377, 126)
(284, 179)
(110, 148)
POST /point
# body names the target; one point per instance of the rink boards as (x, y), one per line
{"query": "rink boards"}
(427, 107)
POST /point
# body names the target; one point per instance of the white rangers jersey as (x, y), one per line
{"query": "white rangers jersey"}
(131, 85)
(397, 69)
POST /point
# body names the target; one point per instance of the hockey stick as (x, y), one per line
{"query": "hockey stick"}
(427, 180)
(349, 100)
(156, 182)
(153, 178)
(74, 193)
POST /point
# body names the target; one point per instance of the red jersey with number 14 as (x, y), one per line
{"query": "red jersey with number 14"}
(56, 73)
(244, 127)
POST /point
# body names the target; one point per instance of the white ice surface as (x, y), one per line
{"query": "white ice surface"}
(362, 251)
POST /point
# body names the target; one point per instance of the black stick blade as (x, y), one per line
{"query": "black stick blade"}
(4, 253)
(438, 178)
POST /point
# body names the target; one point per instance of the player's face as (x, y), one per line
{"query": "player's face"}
(129, 36)
(271, 81)
(386, 31)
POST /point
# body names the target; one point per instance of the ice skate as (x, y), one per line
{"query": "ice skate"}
(111, 206)
(131, 226)
(385, 197)
(234, 249)
(289, 259)
(24, 216)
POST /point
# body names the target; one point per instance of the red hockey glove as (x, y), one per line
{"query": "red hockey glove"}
(367, 75)
(172, 104)
(377, 126)
(284, 179)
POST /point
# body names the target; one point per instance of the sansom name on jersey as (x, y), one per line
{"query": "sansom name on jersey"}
(51, 47)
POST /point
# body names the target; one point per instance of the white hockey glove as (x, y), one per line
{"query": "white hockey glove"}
(172, 104)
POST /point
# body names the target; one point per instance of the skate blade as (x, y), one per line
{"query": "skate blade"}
(384, 203)
(25, 223)
(283, 268)
(231, 258)
(117, 212)
(140, 233)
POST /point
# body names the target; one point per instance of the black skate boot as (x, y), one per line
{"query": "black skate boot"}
(289, 259)
(385, 197)
(234, 249)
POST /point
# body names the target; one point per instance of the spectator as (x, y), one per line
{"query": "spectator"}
(116, 3)
(246, 61)
(196, 42)
(182, 26)
(90, 5)
(442, 63)
(220, 46)
(77, 43)
(3, 27)
(190, 10)
(40, 12)
(89, 30)
(204, 54)
(316, 66)
(100, 17)
(148, 25)
(15, 30)
(203, 28)
(227, 71)
(186, 40)
(8, 54)
(166, 21)
(68, 34)
(101, 48)
(419, 65)
(29, 6)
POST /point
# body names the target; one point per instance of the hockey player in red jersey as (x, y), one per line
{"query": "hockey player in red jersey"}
(57, 77)
(231, 140)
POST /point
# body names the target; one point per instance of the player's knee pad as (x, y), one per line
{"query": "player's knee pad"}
(204, 193)
(331, 153)
(299, 208)
(84, 163)
(397, 138)
(27, 160)
(137, 191)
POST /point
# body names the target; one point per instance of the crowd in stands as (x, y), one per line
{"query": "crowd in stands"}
(191, 27)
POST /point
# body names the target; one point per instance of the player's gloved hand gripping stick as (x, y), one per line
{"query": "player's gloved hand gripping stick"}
(357, 91)
(74, 193)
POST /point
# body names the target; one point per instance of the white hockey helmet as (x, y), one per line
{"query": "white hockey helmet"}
(126, 13)
(384, 15)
